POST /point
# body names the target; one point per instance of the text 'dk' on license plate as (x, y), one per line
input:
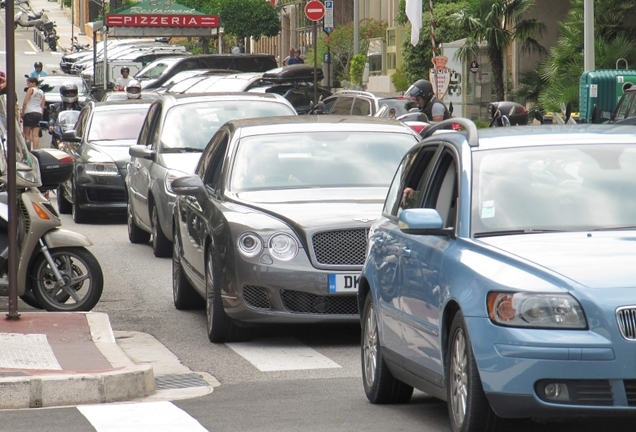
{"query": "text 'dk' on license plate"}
(340, 283)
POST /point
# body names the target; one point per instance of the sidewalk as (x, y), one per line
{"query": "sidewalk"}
(58, 359)
(62, 18)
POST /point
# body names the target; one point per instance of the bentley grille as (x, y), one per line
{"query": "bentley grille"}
(302, 302)
(256, 297)
(343, 247)
(627, 322)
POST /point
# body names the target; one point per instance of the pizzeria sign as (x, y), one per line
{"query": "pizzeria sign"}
(157, 20)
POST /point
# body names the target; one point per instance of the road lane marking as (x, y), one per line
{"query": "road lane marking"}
(281, 354)
(32, 46)
(30, 52)
(26, 351)
(140, 417)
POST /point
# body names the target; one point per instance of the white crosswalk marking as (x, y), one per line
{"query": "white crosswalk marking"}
(281, 354)
(140, 417)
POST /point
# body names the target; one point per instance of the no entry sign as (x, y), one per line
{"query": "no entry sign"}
(314, 10)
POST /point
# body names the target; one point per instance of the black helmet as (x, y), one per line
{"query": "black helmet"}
(422, 88)
(69, 91)
(37, 65)
(125, 68)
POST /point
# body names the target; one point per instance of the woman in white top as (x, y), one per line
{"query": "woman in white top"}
(32, 110)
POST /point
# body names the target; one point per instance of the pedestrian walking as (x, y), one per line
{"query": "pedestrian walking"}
(32, 110)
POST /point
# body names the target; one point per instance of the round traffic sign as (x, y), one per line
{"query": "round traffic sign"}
(314, 10)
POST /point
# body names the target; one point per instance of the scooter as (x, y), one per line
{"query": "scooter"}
(65, 121)
(55, 270)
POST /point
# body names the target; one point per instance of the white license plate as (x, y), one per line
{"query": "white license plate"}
(339, 283)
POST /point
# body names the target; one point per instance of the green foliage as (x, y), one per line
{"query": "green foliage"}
(498, 23)
(417, 59)
(614, 36)
(356, 68)
(66, 3)
(481, 124)
(400, 81)
(241, 18)
(340, 43)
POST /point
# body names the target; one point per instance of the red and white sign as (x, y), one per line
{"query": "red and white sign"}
(314, 10)
(150, 20)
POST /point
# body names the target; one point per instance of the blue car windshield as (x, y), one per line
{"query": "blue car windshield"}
(191, 126)
(318, 160)
(563, 188)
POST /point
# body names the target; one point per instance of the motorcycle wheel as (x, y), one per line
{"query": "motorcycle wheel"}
(30, 299)
(53, 43)
(83, 281)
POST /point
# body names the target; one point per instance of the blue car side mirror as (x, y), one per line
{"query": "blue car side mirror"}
(423, 221)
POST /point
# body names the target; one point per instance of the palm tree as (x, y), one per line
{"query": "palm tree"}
(614, 40)
(499, 23)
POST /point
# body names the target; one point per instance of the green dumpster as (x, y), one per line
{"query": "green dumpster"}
(604, 88)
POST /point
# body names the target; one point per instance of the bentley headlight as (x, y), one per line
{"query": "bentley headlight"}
(283, 247)
(170, 177)
(522, 309)
(250, 244)
(107, 169)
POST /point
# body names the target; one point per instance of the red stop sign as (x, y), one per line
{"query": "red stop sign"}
(314, 10)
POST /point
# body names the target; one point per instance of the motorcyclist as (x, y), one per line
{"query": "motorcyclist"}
(422, 92)
(38, 70)
(68, 93)
(133, 89)
(123, 80)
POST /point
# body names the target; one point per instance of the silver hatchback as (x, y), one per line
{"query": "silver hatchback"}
(172, 138)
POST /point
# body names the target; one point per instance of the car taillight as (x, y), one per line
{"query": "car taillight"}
(456, 126)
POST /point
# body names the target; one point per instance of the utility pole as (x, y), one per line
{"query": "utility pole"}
(356, 26)
(588, 35)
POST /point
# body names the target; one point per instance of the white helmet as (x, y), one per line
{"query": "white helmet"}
(133, 89)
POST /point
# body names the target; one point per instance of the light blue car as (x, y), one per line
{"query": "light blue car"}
(501, 276)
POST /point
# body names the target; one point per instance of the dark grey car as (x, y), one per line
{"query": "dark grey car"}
(272, 227)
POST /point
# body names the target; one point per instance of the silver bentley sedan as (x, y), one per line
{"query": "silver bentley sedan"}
(273, 225)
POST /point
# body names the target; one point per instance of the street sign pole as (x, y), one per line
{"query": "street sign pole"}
(315, 11)
(314, 37)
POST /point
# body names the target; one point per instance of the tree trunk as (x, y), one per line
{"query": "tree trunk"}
(497, 64)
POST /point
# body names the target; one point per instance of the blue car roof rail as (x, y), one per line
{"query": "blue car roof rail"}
(472, 135)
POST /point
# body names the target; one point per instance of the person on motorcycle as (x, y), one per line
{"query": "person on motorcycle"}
(123, 80)
(68, 93)
(422, 92)
(38, 70)
(133, 90)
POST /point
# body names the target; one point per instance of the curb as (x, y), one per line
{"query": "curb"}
(128, 381)
(61, 390)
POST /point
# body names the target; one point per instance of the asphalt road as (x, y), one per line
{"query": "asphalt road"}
(137, 296)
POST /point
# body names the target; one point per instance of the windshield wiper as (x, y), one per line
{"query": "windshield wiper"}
(514, 232)
(619, 228)
(182, 150)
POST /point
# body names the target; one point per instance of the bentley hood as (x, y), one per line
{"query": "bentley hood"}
(596, 259)
(319, 208)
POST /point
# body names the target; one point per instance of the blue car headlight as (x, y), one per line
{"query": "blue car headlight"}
(108, 169)
(536, 310)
